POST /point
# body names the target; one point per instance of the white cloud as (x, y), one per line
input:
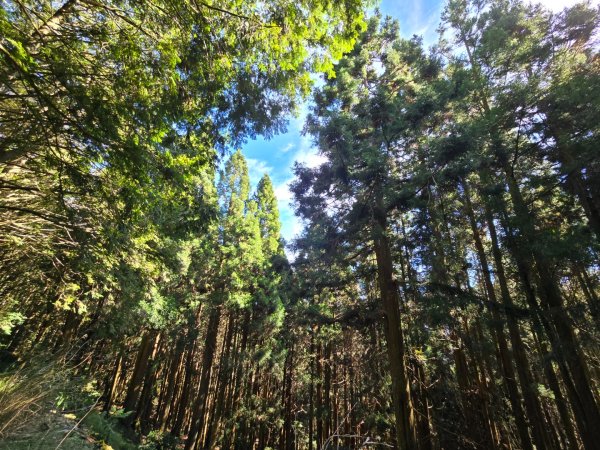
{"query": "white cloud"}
(282, 191)
(291, 224)
(309, 158)
(287, 148)
(256, 169)
(307, 155)
(301, 151)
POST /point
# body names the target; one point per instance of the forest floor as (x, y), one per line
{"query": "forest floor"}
(44, 407)
(49, 431)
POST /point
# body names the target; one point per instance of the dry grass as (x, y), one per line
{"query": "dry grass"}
(27, 392)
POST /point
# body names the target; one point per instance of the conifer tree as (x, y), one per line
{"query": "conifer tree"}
(444, 292)
(268, 216)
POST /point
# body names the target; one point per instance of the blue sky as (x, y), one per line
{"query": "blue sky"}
(277, 156)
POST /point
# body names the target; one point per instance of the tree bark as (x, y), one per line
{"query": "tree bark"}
(139, 373)
(401, 398)
(199, 408)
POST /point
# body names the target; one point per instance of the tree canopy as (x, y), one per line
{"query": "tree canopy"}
(443, 293)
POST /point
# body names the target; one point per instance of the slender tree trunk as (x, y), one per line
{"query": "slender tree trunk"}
(113, 383)
(169, 385)
(589, 200)
(199, 408)
(144, 409)
(287, 433)
(505, 359)
(139, 373)
(319, 396)
(532, 404)
(311, 398)
(567, 347)
(179, 410)
(222, 378)
(589, 292)
(401, 398)
(561, 404)
(421, 402)
(327, 378)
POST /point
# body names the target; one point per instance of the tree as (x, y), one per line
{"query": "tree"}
(268, 217)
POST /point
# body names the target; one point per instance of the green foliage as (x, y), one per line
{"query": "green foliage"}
(10, 319)
(268, 218)
(459, 188)
(123, 108)
(414, 143)
(107, 428)
(545, 392)
(157, 440)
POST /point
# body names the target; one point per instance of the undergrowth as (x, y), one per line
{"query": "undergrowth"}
(46, 403)
(26, 391)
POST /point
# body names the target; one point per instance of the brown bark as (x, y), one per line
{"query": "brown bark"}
(113, 383)
(169, 385)
(222, 385)
(287, 433)
(311, 398)
(561, 404)
(401, 398)
(422, 404)
(566, 346)
(532, 403)
(144, 409)
(199, 408)
(505, 359)
(139, 373)
(319, 395)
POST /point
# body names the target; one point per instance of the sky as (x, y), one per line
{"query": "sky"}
(277, 155)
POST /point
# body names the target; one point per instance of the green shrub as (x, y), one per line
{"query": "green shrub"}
(106, 428)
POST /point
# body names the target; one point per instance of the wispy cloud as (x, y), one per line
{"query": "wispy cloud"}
(429, 25)
(309, 158)
(256, 169)
(282, 191)
(291, 225)
(287, 148)
(416, 17)
(307, 154)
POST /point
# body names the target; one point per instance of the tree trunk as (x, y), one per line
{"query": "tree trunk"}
(401, 398)
(139, 373)
(199, 408)
(566, 346)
